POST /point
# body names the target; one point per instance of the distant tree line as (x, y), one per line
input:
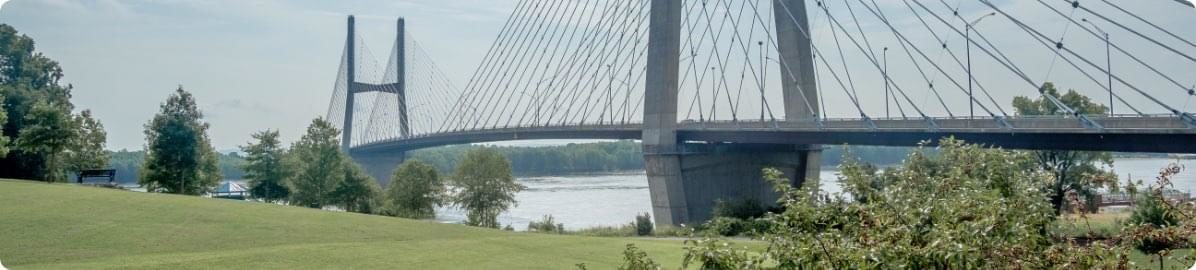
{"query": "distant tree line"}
(600, 157)
(128, 164)
(560, 159)
(526, 161)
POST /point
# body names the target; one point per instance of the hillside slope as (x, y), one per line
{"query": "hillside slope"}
(74, 227)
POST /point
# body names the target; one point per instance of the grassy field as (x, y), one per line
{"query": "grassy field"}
(57, 226)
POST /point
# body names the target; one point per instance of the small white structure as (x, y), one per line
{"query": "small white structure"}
(229, 190)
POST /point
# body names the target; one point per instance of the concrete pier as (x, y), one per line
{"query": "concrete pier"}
(687, 178)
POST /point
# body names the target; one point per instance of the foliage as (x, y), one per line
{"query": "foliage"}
(357, 192)
(179, 155)
(415, 190)
(49, 131)
(636, 259)
(643, 225)
(710, 254)
(1150, 209)
(739, 208)
(966, 207)
(128, 165)
(730, 226)
(1157, 226)
(1072, 170)
(612, 156)
(87, 151)
(547, 225)
(29, 79)
(484, 187)
(547, 160)
(3, 139)
(264, 167)
(319, 163)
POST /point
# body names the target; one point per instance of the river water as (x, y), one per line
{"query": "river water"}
(614, 199)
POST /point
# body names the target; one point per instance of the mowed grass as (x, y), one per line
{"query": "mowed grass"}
(58, 226)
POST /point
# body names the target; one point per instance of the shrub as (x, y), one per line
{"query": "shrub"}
(636, 259)
(739, 209)
(643, 225)
(547, 224)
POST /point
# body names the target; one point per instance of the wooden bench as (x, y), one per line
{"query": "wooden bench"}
(108, 174)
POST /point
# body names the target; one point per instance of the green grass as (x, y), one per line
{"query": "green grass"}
(57, 226)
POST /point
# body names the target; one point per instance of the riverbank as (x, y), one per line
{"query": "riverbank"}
(60, 226)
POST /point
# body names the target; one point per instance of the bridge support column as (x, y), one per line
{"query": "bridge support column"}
(685, 180)
(686, 185)
(380, 165)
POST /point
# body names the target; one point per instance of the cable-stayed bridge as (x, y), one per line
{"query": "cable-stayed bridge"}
(718, 89)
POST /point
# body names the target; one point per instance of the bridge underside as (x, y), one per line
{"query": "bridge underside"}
(1147, 134)
(723, 160)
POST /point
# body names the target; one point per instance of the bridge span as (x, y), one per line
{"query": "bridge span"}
(571, 69)
(1147, 134)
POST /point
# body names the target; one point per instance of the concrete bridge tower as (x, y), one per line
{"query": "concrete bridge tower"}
(378, 164)
(686, 178)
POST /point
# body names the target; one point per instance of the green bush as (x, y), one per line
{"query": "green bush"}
(547, 225)
(1150, 210)
(643, 225)
(739, 209)
(636, 259)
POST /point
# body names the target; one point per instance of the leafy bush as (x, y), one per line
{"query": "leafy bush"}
(1151, 210)
(643, 225)
(739, 208)
(548, 225)
(636, 259)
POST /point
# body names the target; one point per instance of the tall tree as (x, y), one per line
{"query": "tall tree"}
(264, 167)
(358, 192)
(87, 150)
(179, 156)
(415, 190)
(27, 78)
(1077, 171)
(319, 165)
(3, 139)
(49, 131)
(485, 187)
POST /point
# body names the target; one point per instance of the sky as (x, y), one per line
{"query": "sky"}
(271, 64)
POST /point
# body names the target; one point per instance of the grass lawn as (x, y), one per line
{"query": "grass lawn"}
(59, 226)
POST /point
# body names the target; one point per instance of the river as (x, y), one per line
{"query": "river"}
(614, 199)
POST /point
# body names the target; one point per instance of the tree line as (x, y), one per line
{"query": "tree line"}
(128, 164)
(575, 158)
(41, 135)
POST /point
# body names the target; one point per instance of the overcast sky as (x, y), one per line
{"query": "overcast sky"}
(271, 64)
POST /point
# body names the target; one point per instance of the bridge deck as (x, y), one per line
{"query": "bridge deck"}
(1166, 134)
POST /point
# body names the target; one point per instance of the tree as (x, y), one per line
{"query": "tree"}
(485, 187)
(3, 139)
(264, 167)
(415, 190)
(179, 156)
(1077, 171)
(87, 151)
(28, 78)
(358, 192)
(48, 132)
(319, 165)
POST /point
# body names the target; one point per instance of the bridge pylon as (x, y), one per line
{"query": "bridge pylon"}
(685, 179)
(381, 164)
